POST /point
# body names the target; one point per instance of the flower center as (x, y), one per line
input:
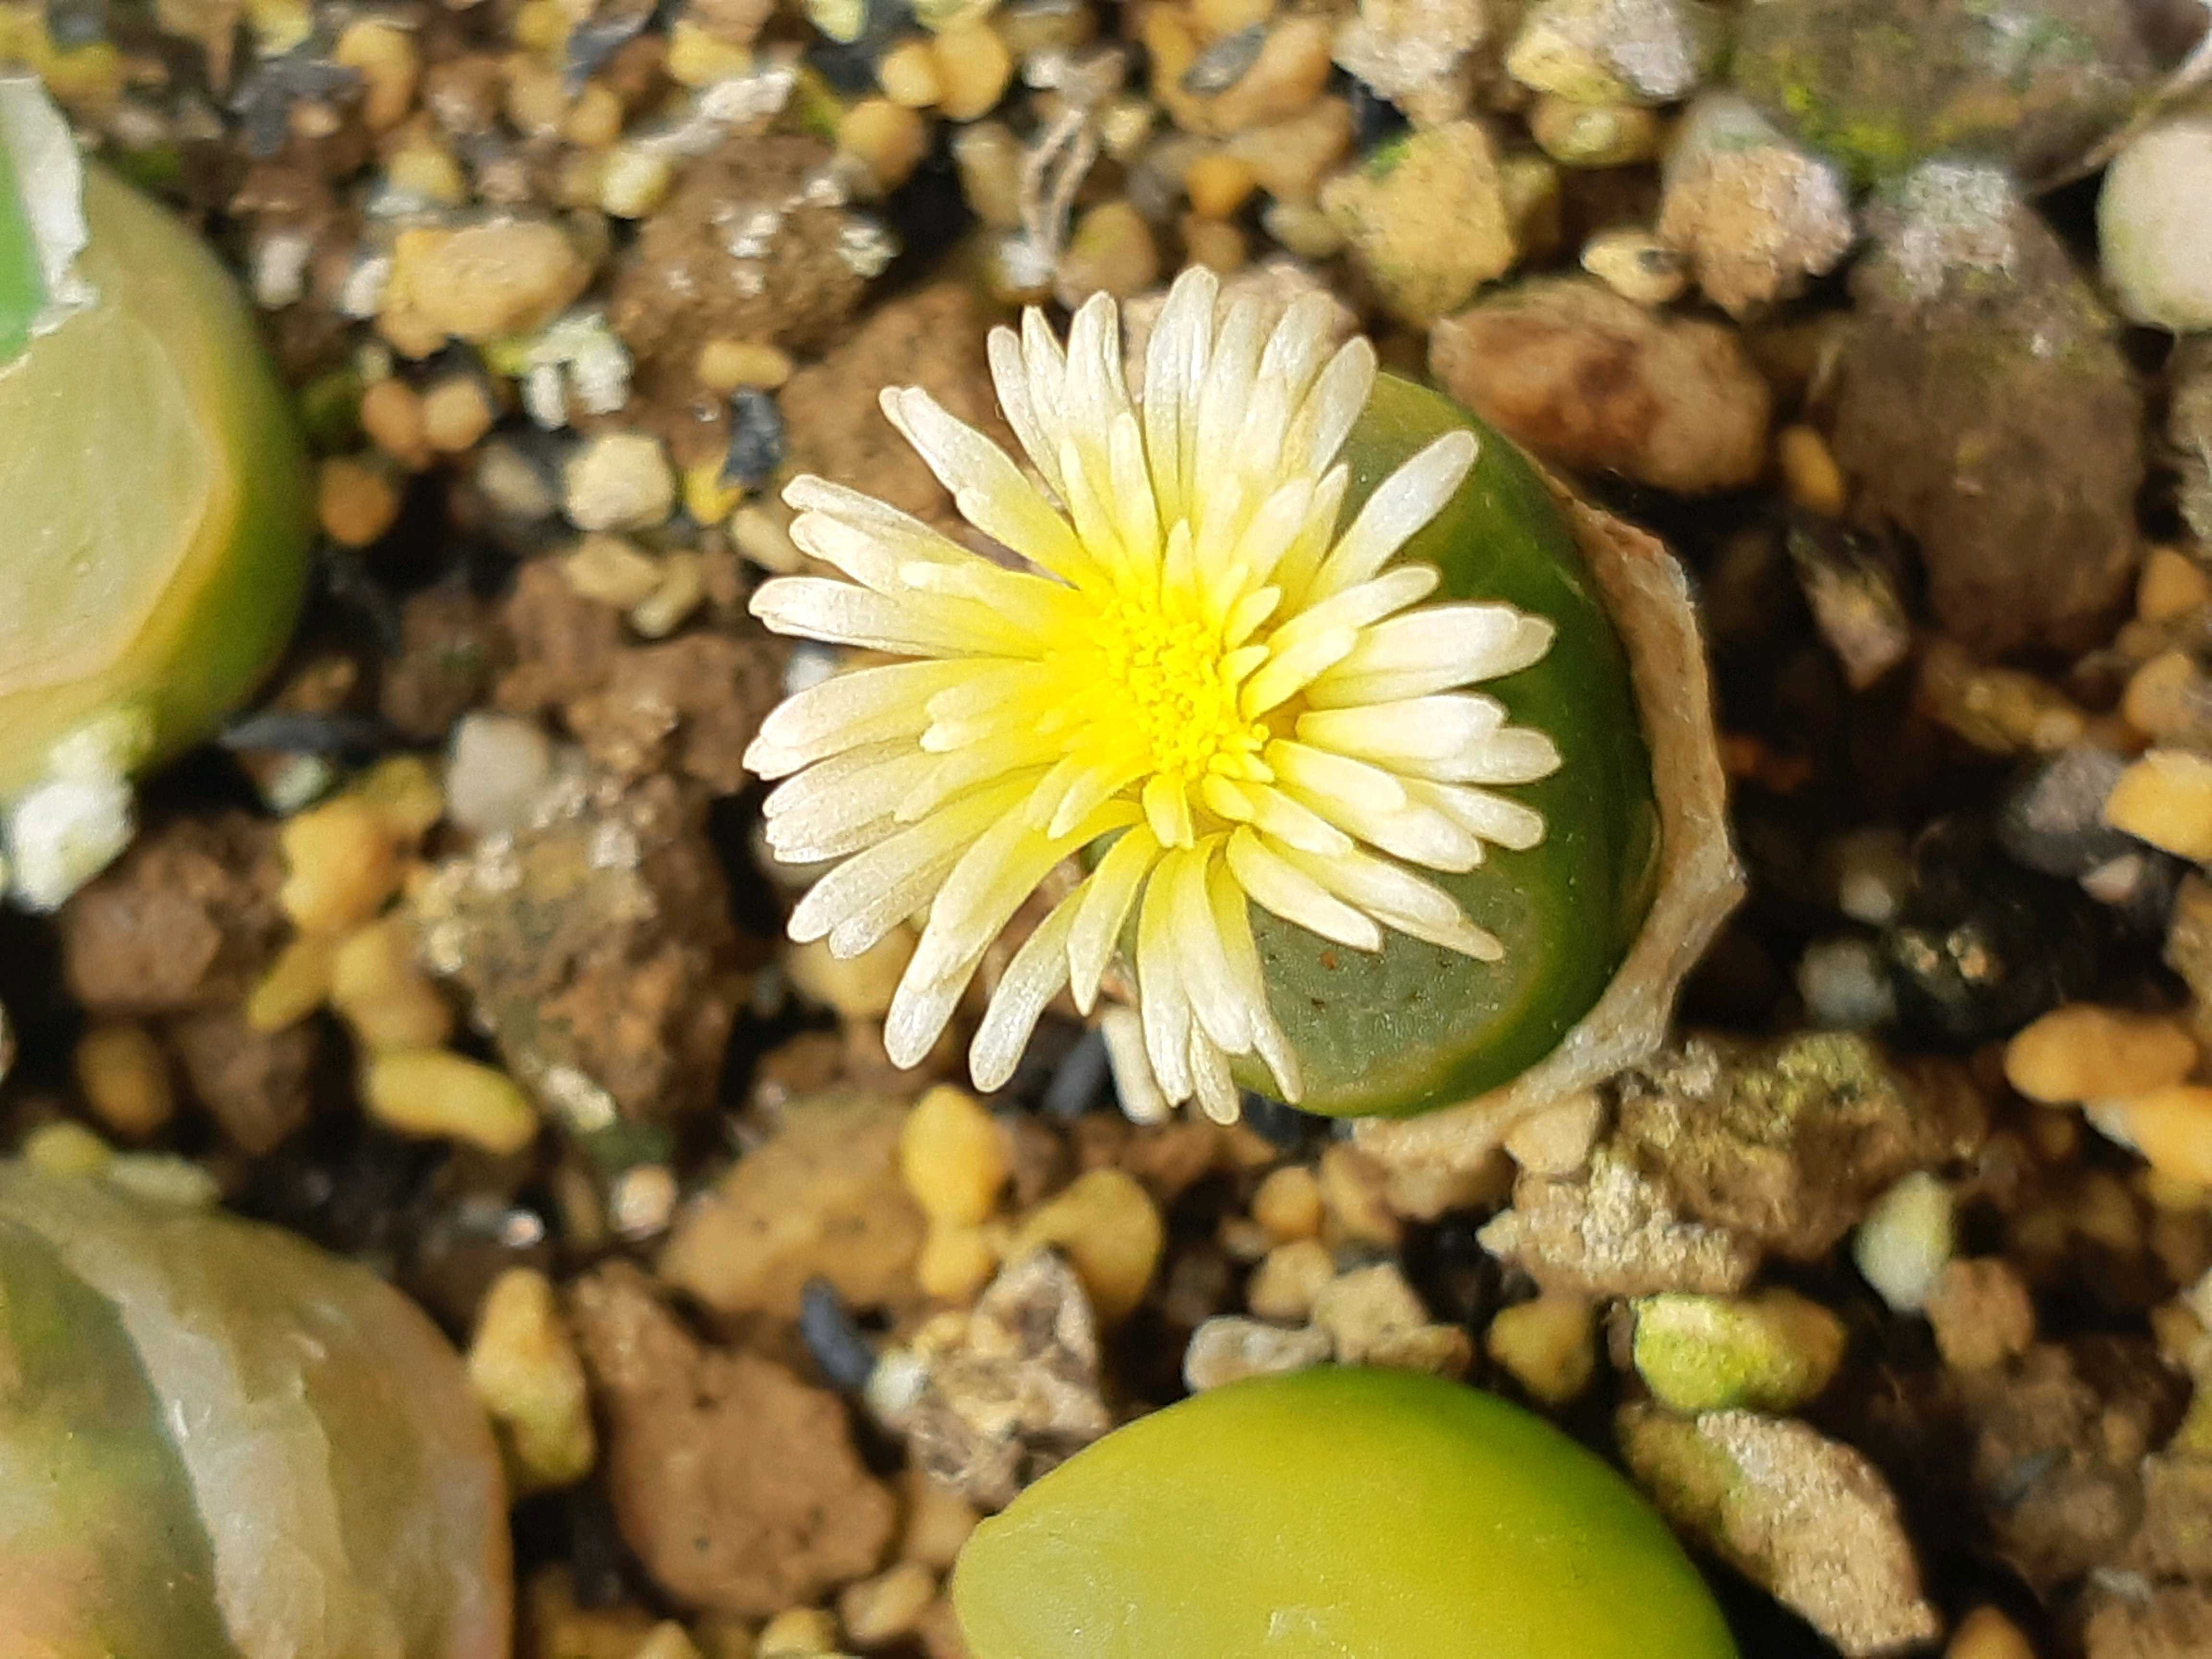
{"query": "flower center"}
(1171, 683)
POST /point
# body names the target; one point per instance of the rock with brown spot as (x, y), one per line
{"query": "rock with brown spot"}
(186, 920)
(1756, 215)
(253, 1084)
(1806, 1518)
(565, 644)
(478, 284)
(932, 338)
(691, 705)
(1007, 1393)
(2173, 1622)
(1611, 1230)
(735, 1483)
(2058, 1441)
(595, 947)
(749, 245)
(1427, 218)
(1588, 379)
(451, 646)
(1982, 1313)
(821, 1196)
(1786, 1143)
(1984, 406)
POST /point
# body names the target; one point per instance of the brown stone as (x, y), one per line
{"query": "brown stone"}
(735, 1483)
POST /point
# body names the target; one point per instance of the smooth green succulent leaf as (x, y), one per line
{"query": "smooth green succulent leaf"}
(1333, 1514)
(1414, 1026)
(155, 485)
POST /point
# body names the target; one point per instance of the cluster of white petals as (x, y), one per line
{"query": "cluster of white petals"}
(1194, 666)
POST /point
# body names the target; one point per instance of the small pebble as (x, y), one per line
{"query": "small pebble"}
(1363, 1309)
(356, 500)
(1229, 1349)
(2170, 585)
(908, 75)
(1594, 135)
(2166, 799)
(1290, 1279)
(1770, 1352)
(1108, 1227)
(974, 65)
(798, 1633)
(938, 1522)
(878, 1611)
(1985, 1633)
(886, 138)
(1845, 984)
(1111, 250)
(2085, 1052)
(342, 863)
(618, 481)
(1557, 1140)
(756, 438)
(391, 416)
(496, 766)
(636, 179)
(457, 412)
(66, 1148)
(1906, 1237)
(666, 1640)
(1355, 1194)
(953, 1157)
(523, 1370)
(124, 1079)
(1548, 1345)
(1288, 1204)
(1809, 472)
(1218, 184)
(439, 1096)
(726, 365)
(1637, 265)
(681, 590)
(2155, 224)
(2171, 1127)
(384, 57)
(612, 570)
(1981, 1312)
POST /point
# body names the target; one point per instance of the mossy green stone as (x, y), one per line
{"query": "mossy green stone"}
(1415, 1026)
(1335, 1514)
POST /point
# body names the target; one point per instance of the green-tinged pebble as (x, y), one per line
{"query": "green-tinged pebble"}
(1415, 1026)
(1335, 1514)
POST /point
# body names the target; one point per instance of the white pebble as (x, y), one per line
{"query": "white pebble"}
(618, 481)
(497, 766)
(1905, 1239)
(1845, 986)
(2154, 226)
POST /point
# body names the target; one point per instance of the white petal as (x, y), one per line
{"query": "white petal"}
(914, 624)
(1160, 998)
(1010, 375)
(1401, 900)
(1266, 807)
(1232, 917)
(1205, 961)
(986, 486)
(1278, 885)
(1174, 368)
(1420, 731)
(1320, 771)
(1434, 649)
(1507, 822)
(1287, 673)
(894, 868)
(1402, 504)
(1416, 832)
(1519, 754)
(1105, 897)
(1210, 1079)
(860, 707)
(1031, 981)
(1326, 418)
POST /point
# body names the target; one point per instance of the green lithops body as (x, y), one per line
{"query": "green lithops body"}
(1335, 1514)
(199, 1419)
(1414, 1026)
(155, 484)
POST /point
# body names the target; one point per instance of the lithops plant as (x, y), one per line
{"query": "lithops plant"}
(155, 492)
(217, 1443)
(1302, 663)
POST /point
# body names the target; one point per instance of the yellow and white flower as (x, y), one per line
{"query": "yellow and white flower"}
(1192, 661)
